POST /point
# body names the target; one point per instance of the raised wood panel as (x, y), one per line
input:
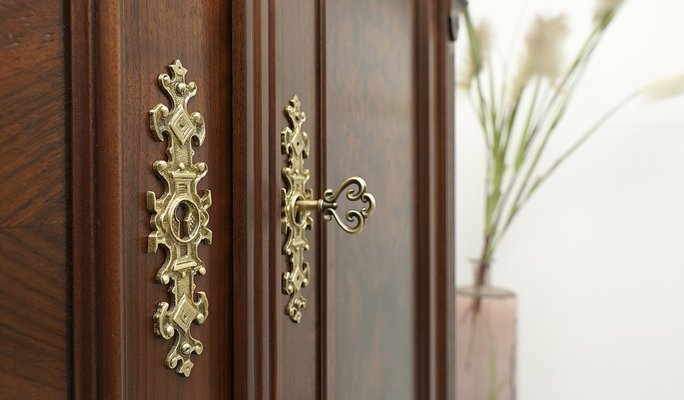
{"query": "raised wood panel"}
(34, 329)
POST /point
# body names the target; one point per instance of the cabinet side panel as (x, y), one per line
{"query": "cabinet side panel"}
(34, 357)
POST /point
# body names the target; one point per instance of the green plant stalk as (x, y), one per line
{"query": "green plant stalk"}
(482, 120)
(594, 128)
(497, 166)
(481, 103)
(569, 81)
(498, 211)
(498, 155)
(571, 150)
(493, 110)
(496, 200)
(561, 99)
(584, 52)
(477, 61)
(511, 183)
(492, 139)
(572, 82)
(493, 233)
(526, 129)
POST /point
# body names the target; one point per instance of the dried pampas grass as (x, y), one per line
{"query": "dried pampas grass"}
(543, 56)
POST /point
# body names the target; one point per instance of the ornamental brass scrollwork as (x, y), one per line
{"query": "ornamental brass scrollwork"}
(179, 218)
(357, 191)
(298, 203)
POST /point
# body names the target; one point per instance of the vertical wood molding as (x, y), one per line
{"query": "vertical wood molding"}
(326, 275)
(82, 232)
(254, 242)
(97, 282)
(109, 110)
(264, 188)
(243, 363)
(424, 234)
(445, 157)
(275, 319)
(435, 159)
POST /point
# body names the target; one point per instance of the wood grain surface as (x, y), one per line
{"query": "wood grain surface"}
(197, 34)
(78, 290)
(118, 50)
(34, 328)
(371, 132)
(379, 322)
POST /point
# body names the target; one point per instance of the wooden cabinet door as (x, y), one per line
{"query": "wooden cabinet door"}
(79, 287)
(118, 49)
(80, 292)
(374, 78)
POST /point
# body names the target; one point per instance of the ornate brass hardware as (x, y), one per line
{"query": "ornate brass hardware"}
(298, 203)
(179, 219)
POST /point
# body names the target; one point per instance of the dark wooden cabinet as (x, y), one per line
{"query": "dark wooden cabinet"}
(78, 289)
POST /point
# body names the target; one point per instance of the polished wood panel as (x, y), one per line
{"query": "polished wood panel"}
(368, 73)
(115, 240)
(115, 84)
(276, 55)
(295, 60)
(196, 33)
(264, 75)
(371, 132)
(34, 325)
(359, 337)
(34, 328)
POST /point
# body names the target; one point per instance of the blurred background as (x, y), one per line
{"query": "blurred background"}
(597, 257)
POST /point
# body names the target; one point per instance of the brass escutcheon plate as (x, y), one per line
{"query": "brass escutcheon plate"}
(179, 219)
(298, 203)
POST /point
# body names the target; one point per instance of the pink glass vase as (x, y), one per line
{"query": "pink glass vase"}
(485, 344)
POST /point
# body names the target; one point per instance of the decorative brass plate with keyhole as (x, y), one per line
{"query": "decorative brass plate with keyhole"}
(298, 203)
(179, 219)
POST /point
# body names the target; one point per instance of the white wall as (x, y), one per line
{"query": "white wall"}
(597, 258)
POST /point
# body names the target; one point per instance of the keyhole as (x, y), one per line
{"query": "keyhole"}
(182, 216)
